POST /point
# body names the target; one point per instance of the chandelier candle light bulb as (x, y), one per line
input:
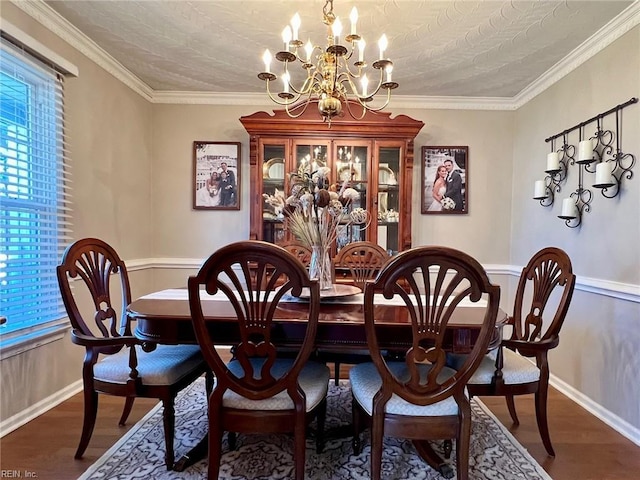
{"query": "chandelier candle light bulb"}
(353, 16)
(286, 37)
(266, 58)
(365, 82)
(295, 25)
(382, 44)
(361, 45)
(337, 30)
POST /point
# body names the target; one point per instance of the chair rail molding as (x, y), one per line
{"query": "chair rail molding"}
(623, 291)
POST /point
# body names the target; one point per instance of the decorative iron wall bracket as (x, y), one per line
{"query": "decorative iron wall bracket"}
(595, 155)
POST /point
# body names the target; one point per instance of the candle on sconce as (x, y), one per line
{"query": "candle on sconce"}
(603, 174)
(569, 208)
(553, 161)
(585, 151)
(540, 190)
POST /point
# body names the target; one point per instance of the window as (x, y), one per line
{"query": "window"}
(34, 218)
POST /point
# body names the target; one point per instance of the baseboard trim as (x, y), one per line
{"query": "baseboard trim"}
(618, 424)
(19, 419)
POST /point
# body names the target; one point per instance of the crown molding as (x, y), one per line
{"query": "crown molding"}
(624, 22)
(52, 20)
(49, 18)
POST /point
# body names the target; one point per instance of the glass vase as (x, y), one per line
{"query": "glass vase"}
(320, 267)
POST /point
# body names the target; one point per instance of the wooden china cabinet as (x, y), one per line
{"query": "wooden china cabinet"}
(374, 155)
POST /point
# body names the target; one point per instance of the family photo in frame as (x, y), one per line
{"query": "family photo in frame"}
(216, 175)
(445, 180)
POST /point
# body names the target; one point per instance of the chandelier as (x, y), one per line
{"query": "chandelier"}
(331, 72)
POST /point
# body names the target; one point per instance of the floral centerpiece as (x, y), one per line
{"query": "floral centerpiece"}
(314, 212)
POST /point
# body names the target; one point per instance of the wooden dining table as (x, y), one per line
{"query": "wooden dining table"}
(164, 317)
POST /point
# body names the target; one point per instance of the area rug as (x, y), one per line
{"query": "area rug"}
(495, 453)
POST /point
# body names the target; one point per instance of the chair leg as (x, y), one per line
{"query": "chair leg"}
(208, 383)
(462, 448)
(169, 420)
(541, 418)
(356, 421)
(336, 372)
(128, 405)
(215, 443)
(320, 420)
(512, 409)
(377, 433)
(232, 437)
(299, 445)
(89, 421)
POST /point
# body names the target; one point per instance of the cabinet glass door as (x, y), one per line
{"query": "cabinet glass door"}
(310, 156)
(388, 201)
(273, 183)
(350, 164)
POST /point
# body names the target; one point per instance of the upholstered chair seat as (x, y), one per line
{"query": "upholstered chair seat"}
(313, 379)
(516, 368)
(366, 382)
(165, 365)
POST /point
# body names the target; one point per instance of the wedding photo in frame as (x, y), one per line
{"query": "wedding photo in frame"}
(216, 175)
(445, 180)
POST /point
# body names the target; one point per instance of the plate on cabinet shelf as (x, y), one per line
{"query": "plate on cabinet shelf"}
(273, 169)
(386, 176)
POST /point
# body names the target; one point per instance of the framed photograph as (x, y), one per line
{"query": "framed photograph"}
(445, 180)
(216, 175)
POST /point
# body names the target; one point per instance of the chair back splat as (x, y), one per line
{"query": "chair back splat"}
(259, 390)
(419, 397)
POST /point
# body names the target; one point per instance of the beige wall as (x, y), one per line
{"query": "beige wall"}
(196, 233)
(110, 130)
(598, 354)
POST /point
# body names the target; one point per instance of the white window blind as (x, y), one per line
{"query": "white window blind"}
(34, 193)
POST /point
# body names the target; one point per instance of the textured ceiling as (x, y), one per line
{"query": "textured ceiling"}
(439, 48)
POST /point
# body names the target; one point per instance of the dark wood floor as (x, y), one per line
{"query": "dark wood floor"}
(586, 448)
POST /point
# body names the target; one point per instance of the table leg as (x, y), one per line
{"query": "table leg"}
(433, 459)
(194, 455)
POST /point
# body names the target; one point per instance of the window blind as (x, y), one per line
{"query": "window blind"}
(35, 211)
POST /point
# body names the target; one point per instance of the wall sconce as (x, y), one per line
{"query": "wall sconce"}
(610, 167)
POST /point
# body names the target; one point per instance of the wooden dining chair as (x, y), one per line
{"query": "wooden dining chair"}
(92, 280)
(259, 390)
(546, 280)
(358, 262)
(301, 252)
(421, 398)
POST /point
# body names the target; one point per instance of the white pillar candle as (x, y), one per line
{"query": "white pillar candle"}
(569, 208)
(553, 161)
(603, 173)
(585, 150)
(540, 190)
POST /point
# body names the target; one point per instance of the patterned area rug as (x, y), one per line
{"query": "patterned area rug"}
(495, 454)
